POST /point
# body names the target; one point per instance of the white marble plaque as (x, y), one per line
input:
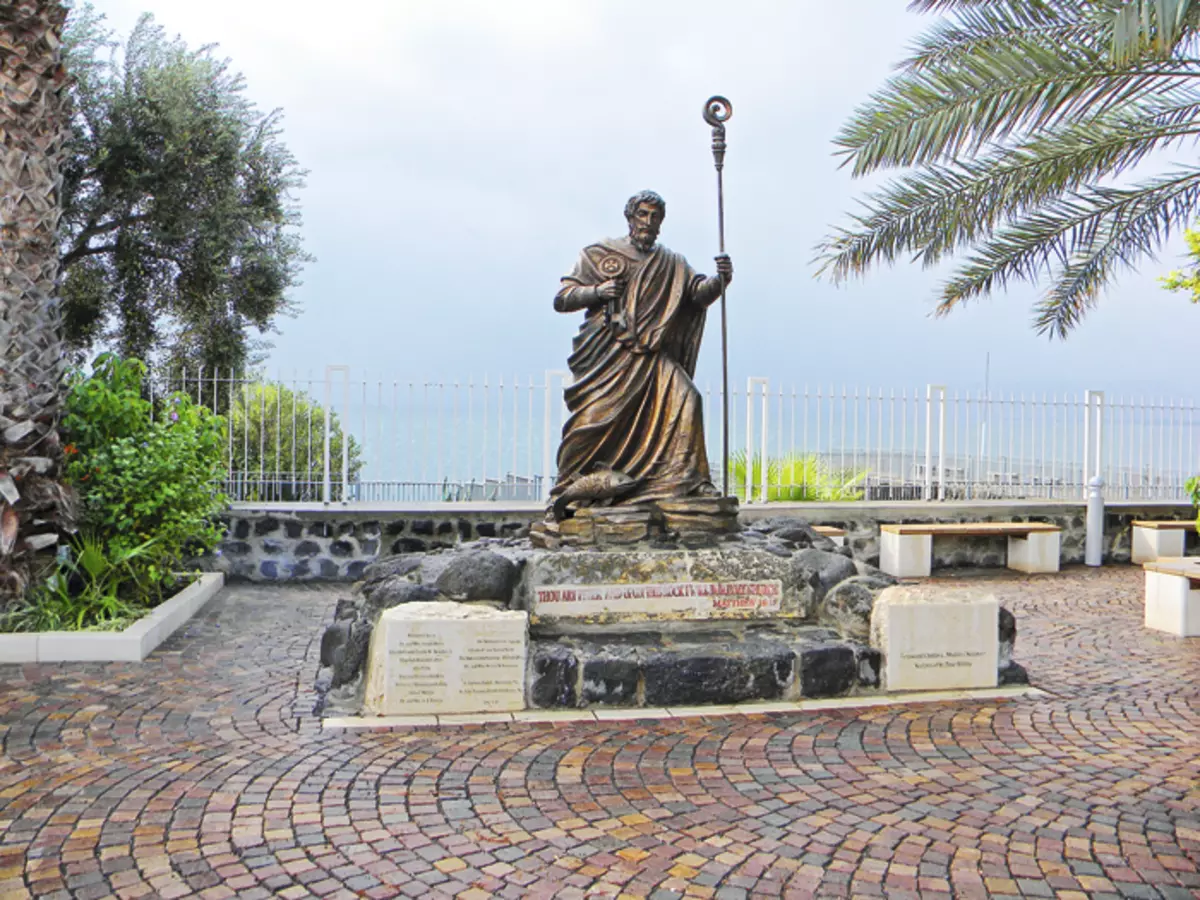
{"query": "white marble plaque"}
(446, 658)
(695, 599)
(936, 638)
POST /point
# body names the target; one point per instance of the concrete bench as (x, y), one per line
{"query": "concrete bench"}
(837, 535)
(906, 551)
(1155, 539)
(1173, 595)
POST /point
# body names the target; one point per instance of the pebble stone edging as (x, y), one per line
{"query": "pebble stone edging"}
(133, 644)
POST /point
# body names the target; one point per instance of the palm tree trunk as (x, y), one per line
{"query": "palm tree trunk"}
(34, 506)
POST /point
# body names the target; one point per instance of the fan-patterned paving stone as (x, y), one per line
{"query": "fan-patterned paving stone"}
(203, 772)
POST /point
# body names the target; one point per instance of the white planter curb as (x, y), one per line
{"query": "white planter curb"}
(133, 644)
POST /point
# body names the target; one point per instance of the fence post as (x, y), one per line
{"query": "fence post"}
(941, 392)
(751, 382)
(551, 374)
(1093, 554)
(1093, 433)
(327, 487)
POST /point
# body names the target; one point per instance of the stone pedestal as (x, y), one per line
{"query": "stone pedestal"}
(697, 516)
(936, 638)
(1173, 596)
(1151, 543)
(442, 657)
(1035, 552)
(625, 525)
(595, 587)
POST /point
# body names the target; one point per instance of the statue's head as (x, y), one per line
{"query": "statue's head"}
(644, 212)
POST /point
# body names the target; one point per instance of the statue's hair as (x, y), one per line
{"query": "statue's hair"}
(644, 197)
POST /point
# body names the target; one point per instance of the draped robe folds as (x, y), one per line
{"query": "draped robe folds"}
(633, 405)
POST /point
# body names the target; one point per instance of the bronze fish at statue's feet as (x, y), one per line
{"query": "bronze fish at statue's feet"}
(603, 484)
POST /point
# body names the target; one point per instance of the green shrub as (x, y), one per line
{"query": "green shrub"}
(1193, 488)
(795, 479)
(146, 477)
(83, 591)
(281, 432)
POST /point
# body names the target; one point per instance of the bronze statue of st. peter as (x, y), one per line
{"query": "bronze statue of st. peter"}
(633, 406)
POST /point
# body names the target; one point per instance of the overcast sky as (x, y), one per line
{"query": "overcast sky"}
(461, 154)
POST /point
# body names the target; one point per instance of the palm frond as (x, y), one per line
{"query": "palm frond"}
(1151, 28)
(1016, 118)
(940, 209)
(987, 26)
(1078, 241)
(929, 117)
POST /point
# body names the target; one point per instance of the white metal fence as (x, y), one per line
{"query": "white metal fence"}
(495, 439)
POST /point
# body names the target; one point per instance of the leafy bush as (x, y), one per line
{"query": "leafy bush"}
(146, 477)
(795, 479)
(83, 592)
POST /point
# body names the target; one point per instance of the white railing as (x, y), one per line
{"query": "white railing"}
(494, 438)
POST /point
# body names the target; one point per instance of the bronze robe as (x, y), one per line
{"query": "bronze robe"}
(633, 404)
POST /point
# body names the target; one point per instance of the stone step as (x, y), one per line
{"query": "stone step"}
(720, 663)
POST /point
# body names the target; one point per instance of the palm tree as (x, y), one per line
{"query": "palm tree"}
(1019, 122)
(33, 504)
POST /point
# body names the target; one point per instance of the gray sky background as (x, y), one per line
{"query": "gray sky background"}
(461, 154)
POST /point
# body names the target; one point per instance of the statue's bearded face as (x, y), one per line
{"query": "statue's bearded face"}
(644, 224)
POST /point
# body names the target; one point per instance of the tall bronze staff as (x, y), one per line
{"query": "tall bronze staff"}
(717, 111)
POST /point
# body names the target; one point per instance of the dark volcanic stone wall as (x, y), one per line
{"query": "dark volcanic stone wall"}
(265, 544)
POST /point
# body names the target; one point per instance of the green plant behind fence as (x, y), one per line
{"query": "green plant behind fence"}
(796, 478)
(278, 444)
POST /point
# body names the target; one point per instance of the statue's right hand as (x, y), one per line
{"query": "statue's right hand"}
(610, 290)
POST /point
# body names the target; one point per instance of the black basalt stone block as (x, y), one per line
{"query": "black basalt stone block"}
(293, 529)
(870, 664)
(554, 677)
(826, 670)
(235, 548)
(421, 526)
(354, 652)
(685, 677)
(307, 548)
(320, 529)
(329, 569)
(409, 545)
(333, 642)
(486, 529)
(1013, 673)
(341, 548)
(445, 528)
(369, 547)
(1007, 626)
(272, 547)
(269, 569)
(610, 680)
(464, 530)
(241, 529)
(395, 528)
(346, 528)
(269, 525)
(301, 569)
(355, 569)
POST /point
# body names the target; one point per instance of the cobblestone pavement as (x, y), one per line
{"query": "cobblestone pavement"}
(202, 772)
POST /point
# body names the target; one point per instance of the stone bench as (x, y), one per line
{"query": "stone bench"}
(1173, 595)
(1155, 539)
(837, 535)
(906, 551)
